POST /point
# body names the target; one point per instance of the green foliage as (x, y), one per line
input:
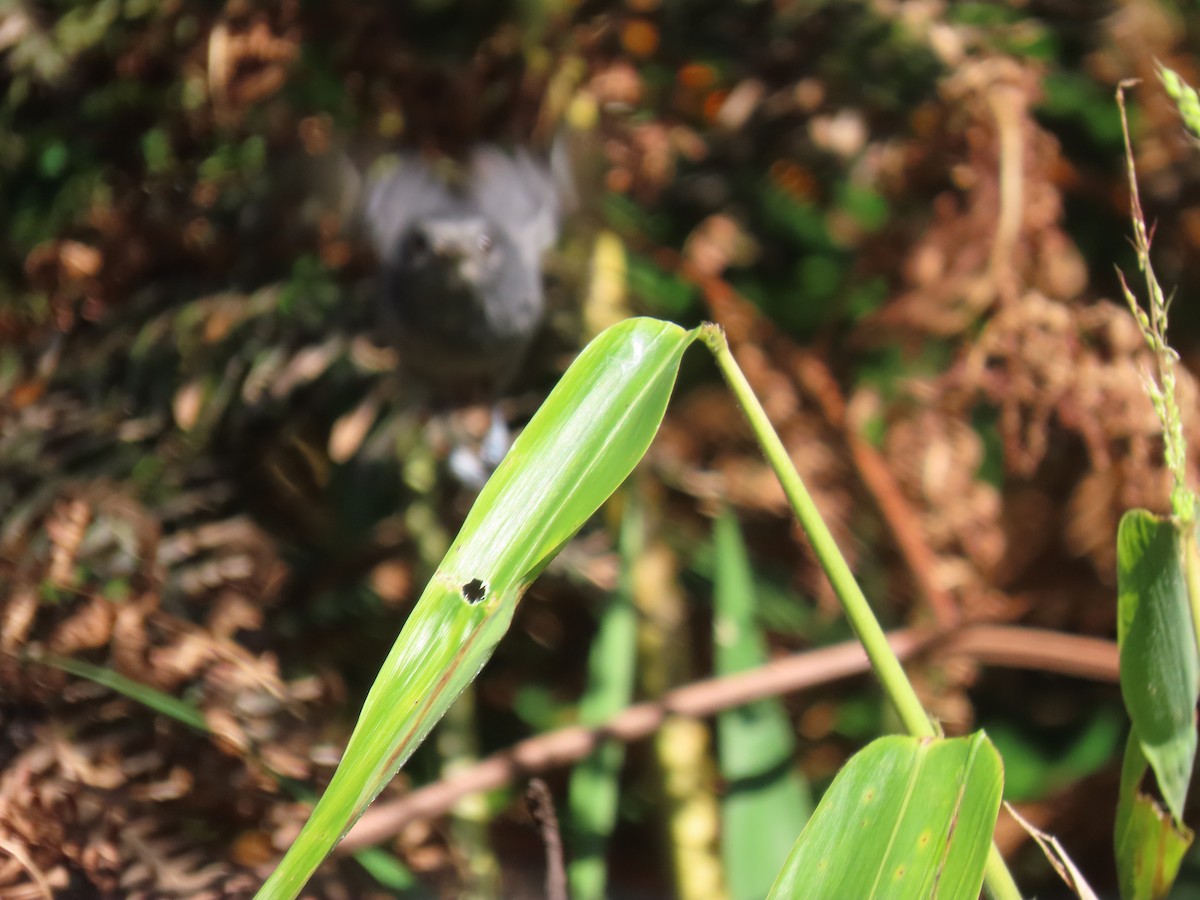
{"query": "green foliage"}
(801, 221)
(766, 802)
(153, 133)
(156, 700)
(593, 792)
(1009, 30)
(1038, 768)
(665, 293)
(582, 443)
(1078, 101)
(1158, 625)
(906, 818)
(1150, 842)
(1159, 661)
(383, 866)
(866, 206)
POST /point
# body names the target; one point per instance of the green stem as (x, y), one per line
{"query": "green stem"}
(866, 627)
(886, 665)
(997, 880)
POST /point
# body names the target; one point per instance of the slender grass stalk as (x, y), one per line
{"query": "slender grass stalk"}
(997, 880)
(899, 689)
(1161, 386)
(866, 627)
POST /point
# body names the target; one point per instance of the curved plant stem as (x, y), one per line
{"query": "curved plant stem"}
(866, 627)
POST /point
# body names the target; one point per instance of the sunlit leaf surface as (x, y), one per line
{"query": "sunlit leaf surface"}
(906, 818)
(581, 444)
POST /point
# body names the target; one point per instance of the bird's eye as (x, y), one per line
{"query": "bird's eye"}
(416, 244)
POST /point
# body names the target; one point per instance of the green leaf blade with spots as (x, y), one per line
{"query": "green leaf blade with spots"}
(905, 818)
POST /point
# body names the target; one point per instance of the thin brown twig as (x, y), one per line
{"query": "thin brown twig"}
(1057, 856)
(541, 807)
(17, 852)
(1006, 646)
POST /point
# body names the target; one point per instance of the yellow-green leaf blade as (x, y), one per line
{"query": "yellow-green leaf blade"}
(582, 443)
(905, 818)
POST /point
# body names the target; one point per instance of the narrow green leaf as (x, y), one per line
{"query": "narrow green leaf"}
(593, 793)
(1150, 844)
(586, 438)
(905, 818)
(386, 868)
(1159, 666)
(766, 802)
(179, 710)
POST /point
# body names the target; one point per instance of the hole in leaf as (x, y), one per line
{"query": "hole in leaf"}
(474, 591)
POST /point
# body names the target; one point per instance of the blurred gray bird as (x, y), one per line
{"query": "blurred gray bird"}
(461, 250)
(461, 256)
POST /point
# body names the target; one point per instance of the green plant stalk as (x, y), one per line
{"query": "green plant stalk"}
(997, 880)
(1154, 331)
(1153, 325)
(866, 627)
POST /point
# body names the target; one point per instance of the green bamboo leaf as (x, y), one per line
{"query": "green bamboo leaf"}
(766, 802)
(1159, 665)
(1150, 844)
(593, 793)
(905, 818)
(586, 438)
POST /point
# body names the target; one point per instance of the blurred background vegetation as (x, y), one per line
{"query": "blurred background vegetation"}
(907, 215)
